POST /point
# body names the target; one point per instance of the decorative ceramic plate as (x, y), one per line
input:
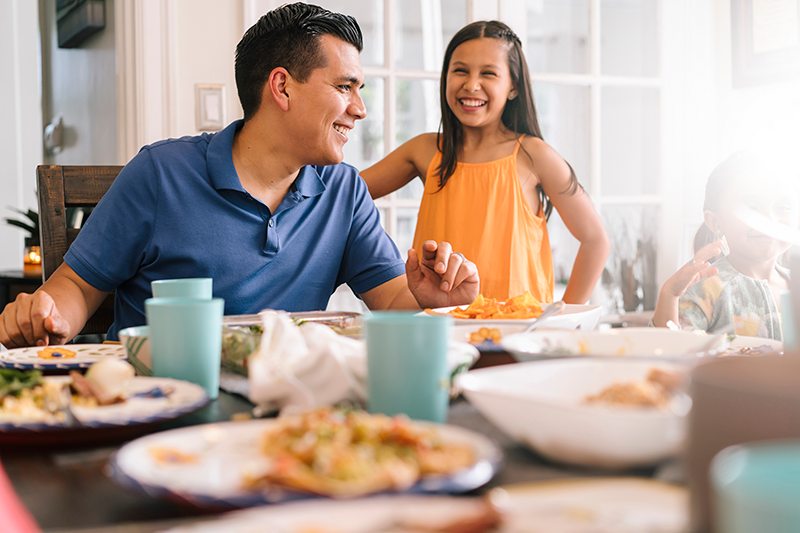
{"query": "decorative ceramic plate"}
(601, 505)
(223, 453)
(147, 400)
(84, 356)
(659, 343)
(583, 317)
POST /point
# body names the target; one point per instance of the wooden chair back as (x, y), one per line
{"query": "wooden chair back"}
(61, 187)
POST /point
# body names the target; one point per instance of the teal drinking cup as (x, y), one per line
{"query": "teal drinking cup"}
(407, 368)
(186, 339)
(182, 288)
(757, 487)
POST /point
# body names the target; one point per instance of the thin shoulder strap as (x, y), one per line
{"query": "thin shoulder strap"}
(519, 143)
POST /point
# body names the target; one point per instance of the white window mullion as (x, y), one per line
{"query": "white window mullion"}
(595, 105)
(390, 127)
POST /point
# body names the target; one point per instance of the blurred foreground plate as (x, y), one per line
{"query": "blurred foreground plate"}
(598, 505)
(224, 452)
(85, 354)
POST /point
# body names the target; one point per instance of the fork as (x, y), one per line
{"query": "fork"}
(62, 404)
(551, 310)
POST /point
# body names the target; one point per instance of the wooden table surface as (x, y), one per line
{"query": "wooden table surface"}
(66, 489)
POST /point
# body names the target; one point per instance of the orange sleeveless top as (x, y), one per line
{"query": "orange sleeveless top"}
(483, 213)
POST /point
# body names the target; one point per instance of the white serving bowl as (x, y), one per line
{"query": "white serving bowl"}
(136, 341)
(541, 404)
(636, 342)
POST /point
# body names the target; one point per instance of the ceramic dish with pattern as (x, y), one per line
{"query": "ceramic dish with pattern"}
(600, 505)
(64, 357)
(218, 458)
(629, 342)
(146, 401)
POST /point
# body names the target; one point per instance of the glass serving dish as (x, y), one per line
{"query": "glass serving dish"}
(241, 334)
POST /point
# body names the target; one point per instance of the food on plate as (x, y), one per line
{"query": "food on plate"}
(656, 390)
(521, 306)
(25, 396)
(55, 352)
(346, 453)
(484, 335)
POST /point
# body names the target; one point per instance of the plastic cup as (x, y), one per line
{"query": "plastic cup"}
(757, 487)
(182, 288)
(186, 339)
(407, 364)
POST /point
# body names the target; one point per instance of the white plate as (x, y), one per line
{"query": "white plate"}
(176, 398)
(630, 342)
(583, 317)
(603, 505)
(85, 355)
(228, 450)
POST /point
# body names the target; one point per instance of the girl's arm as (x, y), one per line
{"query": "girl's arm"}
(692, 272)
(401, 166)
(578, 214)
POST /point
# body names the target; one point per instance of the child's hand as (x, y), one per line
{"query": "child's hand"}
(694, 271)
(441, 277)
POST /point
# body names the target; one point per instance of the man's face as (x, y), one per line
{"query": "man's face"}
(324, 108)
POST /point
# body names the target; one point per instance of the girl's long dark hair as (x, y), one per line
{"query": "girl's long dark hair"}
(519, 114)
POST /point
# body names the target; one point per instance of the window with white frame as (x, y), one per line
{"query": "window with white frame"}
(597, 85)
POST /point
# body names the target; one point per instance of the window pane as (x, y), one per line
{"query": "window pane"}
(564, 118)
(369, 14)
(630, 140)
(629, 279)
(406, 224)
(558, 36)
(424, 28)
(364, 145)
(629, 37)
(417, 112)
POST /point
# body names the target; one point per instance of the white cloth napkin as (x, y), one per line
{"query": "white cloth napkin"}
(298, 367)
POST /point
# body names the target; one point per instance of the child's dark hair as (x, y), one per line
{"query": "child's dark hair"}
(745, 167)
(519, 114)
(287, 37)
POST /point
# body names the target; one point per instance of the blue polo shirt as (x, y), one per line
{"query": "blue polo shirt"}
(178, 210)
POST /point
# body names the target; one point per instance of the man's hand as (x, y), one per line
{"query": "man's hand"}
(32, 320)
(441, 277)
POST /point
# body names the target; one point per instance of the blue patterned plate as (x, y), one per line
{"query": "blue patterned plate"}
(147, 401)
(85, 355)
(222, 453)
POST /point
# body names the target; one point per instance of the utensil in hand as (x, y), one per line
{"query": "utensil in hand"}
(552, 309)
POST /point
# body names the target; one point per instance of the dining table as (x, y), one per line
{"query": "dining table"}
(66, 486)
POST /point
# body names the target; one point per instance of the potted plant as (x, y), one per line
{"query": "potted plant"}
(32, 260)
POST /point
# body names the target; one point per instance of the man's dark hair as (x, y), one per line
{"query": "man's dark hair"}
(287, 37)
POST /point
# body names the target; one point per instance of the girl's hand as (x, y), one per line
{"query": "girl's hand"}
(694, 271)
(441, 277)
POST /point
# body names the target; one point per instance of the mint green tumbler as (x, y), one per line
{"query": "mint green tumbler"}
(186, 339)
(407, 368)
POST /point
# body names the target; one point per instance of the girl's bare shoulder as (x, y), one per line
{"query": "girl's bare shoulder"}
(421, 150)
(544, 158)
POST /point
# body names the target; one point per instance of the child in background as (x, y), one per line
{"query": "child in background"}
(490, 180)
(742, 289)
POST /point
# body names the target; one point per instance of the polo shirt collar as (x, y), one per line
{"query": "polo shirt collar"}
(223, 174)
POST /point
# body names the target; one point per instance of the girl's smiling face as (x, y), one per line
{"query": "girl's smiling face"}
(479, 82)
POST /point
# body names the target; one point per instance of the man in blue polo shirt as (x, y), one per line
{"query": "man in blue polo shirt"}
(265, 207)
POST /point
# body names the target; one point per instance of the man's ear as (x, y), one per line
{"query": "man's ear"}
(276, 86)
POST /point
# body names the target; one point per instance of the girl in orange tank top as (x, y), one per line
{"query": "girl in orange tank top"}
(490, 179)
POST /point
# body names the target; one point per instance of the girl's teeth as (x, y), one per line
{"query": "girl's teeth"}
(473, 103)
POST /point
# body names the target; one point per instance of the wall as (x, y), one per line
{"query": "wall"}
(763, 117)
(20, 120)
(80, 85)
